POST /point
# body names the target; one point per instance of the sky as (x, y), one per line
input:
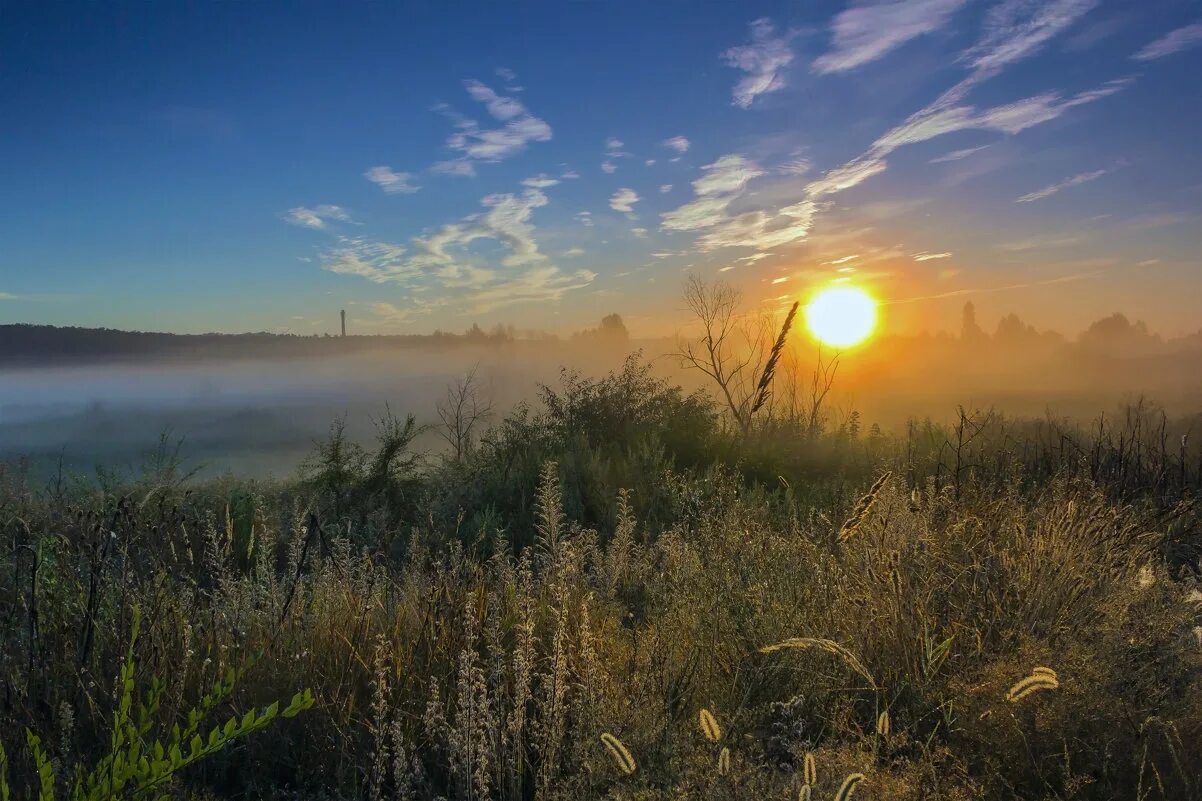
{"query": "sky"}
(255, 166)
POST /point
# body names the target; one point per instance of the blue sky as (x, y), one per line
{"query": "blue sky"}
(256, 166)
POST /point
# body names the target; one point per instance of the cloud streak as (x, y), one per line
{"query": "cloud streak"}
(1067, 183)
(867, 31)
(1172, 42)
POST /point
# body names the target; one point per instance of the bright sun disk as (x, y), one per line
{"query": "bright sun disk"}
(841, 316)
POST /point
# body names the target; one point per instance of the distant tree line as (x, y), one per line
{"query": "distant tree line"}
(24, 344)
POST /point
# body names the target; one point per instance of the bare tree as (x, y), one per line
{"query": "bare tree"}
(740, 354)
(467, 406)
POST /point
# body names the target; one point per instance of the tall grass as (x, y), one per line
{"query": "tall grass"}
(606, 599)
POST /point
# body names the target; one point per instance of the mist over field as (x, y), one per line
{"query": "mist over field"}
(247, 409)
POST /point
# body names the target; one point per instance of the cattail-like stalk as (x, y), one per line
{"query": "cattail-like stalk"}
(849, 786)
(830, 647)
(710, 727)
(619, 753)
(863, 507)
(724, 762)
(1040, 679)
(763, 389)
(810, 770)
(804, 793)
(882, 724)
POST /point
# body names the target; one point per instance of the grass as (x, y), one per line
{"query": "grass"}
(613, 595)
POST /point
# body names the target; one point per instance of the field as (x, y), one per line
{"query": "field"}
(615, 592)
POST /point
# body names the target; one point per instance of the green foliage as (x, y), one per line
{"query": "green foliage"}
(139, 764)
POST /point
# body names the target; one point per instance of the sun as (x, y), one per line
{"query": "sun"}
(841, 316)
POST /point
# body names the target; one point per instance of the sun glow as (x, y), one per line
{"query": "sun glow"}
(841, 316)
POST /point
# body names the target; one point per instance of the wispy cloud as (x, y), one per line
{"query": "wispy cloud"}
(394, 183)
(725, 182)
(677, 143)
(931, 256)
(623, 200)
(795, 167)
(608, 167)
(716, 190)
(540, 181)
(956, 155)
(7, 296)
(763, 60)
(868, 30)
(316, 217)
(933, 121)
(1172, 42)
(665, 188)
(378, 262)
(478, 144)
(442, 263)
(1067, 183)
(1014, 30)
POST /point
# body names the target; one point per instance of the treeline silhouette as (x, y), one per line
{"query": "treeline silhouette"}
(32, 345)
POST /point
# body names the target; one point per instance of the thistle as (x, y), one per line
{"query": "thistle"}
(849, 786)
(621, 755)
(710, 727)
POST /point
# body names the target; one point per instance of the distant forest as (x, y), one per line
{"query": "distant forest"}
(33, 345)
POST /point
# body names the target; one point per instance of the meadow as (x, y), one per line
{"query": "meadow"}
(619, 590)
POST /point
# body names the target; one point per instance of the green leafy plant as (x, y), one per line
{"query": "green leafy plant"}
(139, 764)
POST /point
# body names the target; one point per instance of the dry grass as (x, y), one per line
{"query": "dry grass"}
(468, 668)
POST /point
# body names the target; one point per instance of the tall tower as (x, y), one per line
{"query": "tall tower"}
(343, 313)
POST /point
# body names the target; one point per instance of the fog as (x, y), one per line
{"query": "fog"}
(259, 416)
(262, 416)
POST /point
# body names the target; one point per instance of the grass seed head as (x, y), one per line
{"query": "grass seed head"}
(710, 727)
(849, 786)
(621, 755)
